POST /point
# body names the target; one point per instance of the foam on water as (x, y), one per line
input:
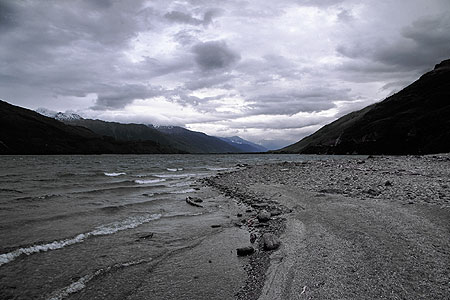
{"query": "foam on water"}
(181, 175)
(217, 169)
(143, 181)
(80, 284)
(114, 174)
(183, 191)
(107, 229)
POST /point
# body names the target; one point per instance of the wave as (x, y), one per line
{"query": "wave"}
(107, 229)
(35, 198)
(181, 175)
(217, 169)
(80, 284)
(178, 215)
(118, 189)
(174, 169)
(146, 181)
(11, 190)
(114, 174)
(181, 184)
(183, 191)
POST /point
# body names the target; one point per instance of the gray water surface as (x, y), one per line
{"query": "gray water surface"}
(68, 223)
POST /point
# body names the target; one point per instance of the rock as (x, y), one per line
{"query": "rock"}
(191, 202)
(263, 216)
(372, 192)
(244, 251)
(144, 236)
(195, 199)
(270, 241)
(252, 237)
(275, 212)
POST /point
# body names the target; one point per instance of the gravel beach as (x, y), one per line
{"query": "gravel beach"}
(367, 228)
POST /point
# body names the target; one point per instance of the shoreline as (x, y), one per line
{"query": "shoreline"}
(348, 222)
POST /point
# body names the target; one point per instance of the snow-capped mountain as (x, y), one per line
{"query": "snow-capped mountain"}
(67, 116)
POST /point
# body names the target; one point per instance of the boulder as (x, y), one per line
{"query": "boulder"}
(270, 241)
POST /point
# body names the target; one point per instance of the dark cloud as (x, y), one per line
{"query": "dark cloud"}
(181, 17)
(214, 55)
(114, 97)
(8, 15)
(345, 16)
(100, 4)
(424, 43)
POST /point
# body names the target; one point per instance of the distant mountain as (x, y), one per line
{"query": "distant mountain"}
(67, 116)
(27, 132)
(243, 145)
(416, 120)
(170, 136)
(196, 142)
(274, 144)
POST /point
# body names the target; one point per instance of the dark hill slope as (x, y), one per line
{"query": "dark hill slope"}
(416, 120)
(196, 142)
(120, 131)
(23, 131)
(170, 136)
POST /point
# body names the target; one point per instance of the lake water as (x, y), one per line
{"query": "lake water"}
(68, 223)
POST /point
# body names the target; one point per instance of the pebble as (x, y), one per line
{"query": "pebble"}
(270, 241)
(263, 216)
(244, 251)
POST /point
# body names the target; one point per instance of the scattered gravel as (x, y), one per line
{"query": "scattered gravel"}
(405, 180)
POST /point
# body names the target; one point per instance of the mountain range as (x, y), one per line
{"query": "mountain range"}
(415, 120)
(50, 132)
(24, 131)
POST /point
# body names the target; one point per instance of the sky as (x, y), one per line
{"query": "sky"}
(271, 72)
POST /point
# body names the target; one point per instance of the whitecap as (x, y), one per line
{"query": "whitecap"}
(143, 181)
(114, 174)
(180, 175)
(107, 229)
(174, 169)
(183, 191)
(217, 169)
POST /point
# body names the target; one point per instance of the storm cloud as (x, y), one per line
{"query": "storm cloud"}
(269, 71)
(214, 55)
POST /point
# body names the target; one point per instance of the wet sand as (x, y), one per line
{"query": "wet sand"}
(377, 228)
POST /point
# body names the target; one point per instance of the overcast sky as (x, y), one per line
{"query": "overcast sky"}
(270, 71)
